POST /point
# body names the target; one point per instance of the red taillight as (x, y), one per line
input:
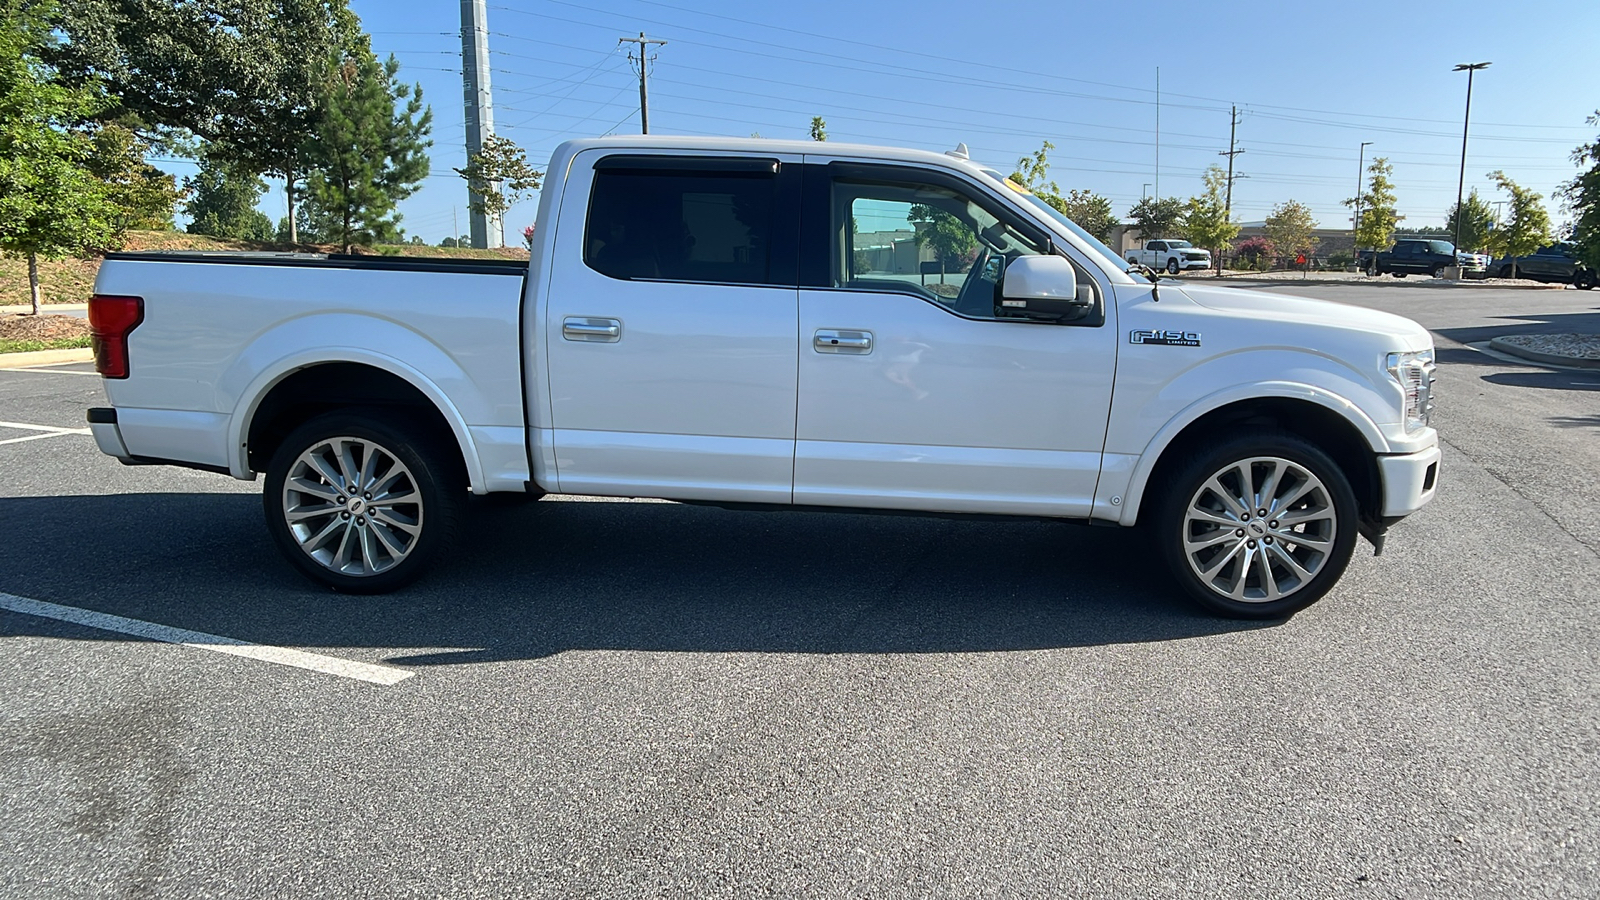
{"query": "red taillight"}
(111, 319)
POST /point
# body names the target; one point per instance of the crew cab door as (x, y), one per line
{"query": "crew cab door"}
(671, 329)
(915, 391)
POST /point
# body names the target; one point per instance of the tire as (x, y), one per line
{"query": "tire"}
(1211, 542)
(1585, 280)
(1172, 267)
(1435, 271)
(1505, 271)
(418, 486)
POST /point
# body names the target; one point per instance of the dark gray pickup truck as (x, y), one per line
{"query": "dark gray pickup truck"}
(1415, 256)
(1554, 264)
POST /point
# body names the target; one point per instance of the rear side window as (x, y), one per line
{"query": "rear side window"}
(699, 225)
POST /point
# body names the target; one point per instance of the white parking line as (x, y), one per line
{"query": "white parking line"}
(283, 656)
(47, 431)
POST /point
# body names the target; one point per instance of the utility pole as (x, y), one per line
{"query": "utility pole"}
(486, 229)
(644, 59)
(1158, 133)
(1355, 214)
(1233, 124)
(1461, 183)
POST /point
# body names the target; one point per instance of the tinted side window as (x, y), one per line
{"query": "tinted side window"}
(682, 226)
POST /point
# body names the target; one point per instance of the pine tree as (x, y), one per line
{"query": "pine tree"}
(1379, 217)
(370, 150)
(1477, 222)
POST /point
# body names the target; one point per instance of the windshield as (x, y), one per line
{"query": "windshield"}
(1107, 256)
(1444, 247)
(1178, 245)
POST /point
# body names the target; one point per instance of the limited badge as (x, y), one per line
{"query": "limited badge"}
(1165, 338)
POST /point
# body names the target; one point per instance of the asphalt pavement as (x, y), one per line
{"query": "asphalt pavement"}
(612, 698)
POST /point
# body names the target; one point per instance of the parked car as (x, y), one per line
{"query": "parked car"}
(1172, 255)
(1554, 264)
(673, 337)
(1415, 256)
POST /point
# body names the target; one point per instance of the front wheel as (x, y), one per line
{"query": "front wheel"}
(1172, 267)
(1259, 527)
(359, 505)
(1436, 271)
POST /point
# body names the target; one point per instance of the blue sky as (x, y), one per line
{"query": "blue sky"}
(1312, 81)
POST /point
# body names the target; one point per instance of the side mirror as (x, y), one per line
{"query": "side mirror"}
(1044, 288)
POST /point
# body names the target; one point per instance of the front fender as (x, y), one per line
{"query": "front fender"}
(1138, 477)
(304, 342)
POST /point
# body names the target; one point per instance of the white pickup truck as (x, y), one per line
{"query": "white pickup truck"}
(744, 323)
(1172, 255)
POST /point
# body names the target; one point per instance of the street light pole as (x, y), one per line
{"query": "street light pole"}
(1461, 183)
(1355, 217)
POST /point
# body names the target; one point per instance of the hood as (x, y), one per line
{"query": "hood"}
(1325, 313)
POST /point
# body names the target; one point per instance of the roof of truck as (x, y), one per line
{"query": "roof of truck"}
(764, 145)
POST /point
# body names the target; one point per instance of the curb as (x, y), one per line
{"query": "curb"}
(45, 309)
(1549, 359)
(44, 358)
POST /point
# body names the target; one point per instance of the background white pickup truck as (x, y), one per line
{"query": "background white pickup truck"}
(1173, 256)
(744, 323)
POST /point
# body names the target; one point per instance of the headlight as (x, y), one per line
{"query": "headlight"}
(1414, 371)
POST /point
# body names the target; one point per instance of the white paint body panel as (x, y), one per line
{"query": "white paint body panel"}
(948, 413)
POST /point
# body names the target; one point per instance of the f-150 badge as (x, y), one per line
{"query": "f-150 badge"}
(1165, 338)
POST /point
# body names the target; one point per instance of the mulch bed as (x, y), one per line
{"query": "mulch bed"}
(42, 327)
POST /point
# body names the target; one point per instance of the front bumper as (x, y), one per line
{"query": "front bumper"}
(1194, 263)
(1409, 481)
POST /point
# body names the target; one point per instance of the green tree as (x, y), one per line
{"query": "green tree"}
(950, 239)
(498, 176)
(222, 203)
(1582, 198)
(1379, 216)
(819, 129)
(1477, 221)
(1088, 210)
(1527, 224)
(370, 150)
(1290, 228)
(1206, 222)
(1157, 217)
(53, 202)
(247, 76)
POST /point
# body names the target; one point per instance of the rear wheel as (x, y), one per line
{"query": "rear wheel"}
(1436, 271)
(1505, 271)
(1585, 279)
(1259, 527)
(359, 505)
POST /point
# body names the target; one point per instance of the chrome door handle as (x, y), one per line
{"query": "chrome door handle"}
(842, 340)
(584, 328)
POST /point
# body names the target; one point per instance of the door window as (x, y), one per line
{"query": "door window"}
(928, 240)
(700, 226)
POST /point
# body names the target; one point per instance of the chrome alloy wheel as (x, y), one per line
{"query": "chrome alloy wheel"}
(1259, 529)
(352, 506)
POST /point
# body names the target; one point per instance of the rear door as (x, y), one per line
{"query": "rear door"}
(671, 329)
(917, 392)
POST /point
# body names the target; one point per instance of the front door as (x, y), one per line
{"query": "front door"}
(916, 390)
(671, 328)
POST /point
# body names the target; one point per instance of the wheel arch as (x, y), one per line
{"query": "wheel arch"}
(298, 388)
(1340, 428)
